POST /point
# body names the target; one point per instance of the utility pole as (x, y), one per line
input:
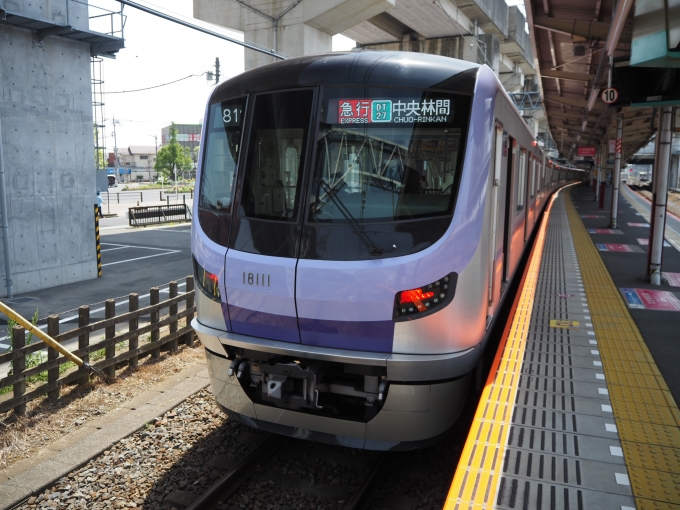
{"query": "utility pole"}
(217, 70)
(115, 148)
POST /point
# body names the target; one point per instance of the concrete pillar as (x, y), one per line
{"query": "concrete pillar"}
(616, 174)
(294, 29)
(48, 150)
(675, 172)
(490, 51)
(660, 183)
(603, 158)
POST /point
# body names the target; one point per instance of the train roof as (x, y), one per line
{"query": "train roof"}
(356, 68)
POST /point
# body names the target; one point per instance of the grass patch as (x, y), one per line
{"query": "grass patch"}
(183, 188)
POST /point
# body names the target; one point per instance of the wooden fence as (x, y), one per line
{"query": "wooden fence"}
(111, 361)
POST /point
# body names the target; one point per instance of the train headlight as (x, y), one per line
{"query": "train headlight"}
(415, 303)
(206, 281)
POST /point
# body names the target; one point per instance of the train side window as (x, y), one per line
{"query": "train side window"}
(221, 154)
(521, 179)
(533, 176)
(276, 153)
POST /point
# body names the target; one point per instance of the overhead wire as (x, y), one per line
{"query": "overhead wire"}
(155, 86)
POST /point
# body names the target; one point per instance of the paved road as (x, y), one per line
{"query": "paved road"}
(133, 260)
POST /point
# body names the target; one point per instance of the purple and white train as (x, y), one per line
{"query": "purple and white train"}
(359, 216)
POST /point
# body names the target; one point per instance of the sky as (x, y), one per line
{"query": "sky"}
(156, 52)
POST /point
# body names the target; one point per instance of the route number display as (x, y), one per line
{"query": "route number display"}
(610, 95)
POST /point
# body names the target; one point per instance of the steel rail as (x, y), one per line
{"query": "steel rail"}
(238, 474)
(228, 484)
(361, 498)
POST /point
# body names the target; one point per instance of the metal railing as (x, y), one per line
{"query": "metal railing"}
(155, 214)
(29, 362)
(138, 196)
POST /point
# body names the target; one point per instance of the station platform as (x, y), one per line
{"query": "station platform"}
(579, 410)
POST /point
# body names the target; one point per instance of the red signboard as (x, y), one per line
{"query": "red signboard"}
(587, 150)
(658, 299)
(673, 279)
(619, 247)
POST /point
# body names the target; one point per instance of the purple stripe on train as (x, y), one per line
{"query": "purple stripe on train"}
(264, 325)
(372, 336)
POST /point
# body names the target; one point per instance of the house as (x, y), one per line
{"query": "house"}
(136, 163)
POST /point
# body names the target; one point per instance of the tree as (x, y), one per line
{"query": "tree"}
(173, 157)
(99, 159)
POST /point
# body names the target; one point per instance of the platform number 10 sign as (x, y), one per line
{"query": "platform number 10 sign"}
(610, 95)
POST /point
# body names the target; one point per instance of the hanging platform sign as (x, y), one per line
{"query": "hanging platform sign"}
(610, 95)
(586, 150)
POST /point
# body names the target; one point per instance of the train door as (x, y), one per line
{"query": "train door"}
(497, 219)
(265, 235)
(520, 223)
(529, 220)
(509, 150)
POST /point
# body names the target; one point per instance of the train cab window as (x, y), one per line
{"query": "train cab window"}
(521, 179)
(218, 169)
(387, 155)
(276, 149)
(222, 151)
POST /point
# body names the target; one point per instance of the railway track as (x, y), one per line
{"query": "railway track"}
(256, 469)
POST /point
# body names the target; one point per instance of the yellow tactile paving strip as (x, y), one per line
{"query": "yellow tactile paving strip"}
(475, 487)
(647, 416)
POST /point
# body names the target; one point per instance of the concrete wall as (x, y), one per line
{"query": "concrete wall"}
(454, 47)
(47, 137)
(305, 29)
(61, 12)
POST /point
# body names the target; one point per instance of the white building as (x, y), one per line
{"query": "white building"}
(136, 163)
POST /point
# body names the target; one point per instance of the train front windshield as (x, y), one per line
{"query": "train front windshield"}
(381, 160)
(385, 157)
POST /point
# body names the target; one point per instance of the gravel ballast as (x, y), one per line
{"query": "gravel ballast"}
(187, 449)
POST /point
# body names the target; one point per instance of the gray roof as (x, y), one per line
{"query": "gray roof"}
(142, 149)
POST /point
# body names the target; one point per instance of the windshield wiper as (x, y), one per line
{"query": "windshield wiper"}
(373, 249)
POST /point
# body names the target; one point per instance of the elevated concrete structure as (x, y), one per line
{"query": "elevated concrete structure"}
(297, 28)
(48, 146)
(494, 33)
(483, 31)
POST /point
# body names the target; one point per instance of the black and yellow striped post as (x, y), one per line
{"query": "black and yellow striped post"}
(96, 235)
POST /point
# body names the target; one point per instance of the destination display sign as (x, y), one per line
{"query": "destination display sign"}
(409, 111)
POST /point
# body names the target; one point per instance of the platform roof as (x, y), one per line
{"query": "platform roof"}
(570, 39)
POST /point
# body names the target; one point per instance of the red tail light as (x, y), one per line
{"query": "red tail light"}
(207, 282)
(415, 296)
(425, 299)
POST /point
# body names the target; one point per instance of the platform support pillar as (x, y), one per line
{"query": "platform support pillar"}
(661, 170)
(616, 174)
(598, 179)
